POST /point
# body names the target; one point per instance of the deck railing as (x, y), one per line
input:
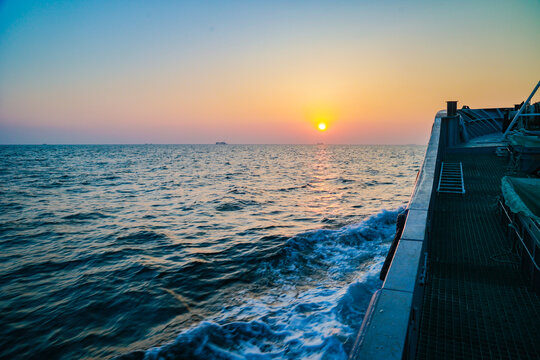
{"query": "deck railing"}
(521, 239)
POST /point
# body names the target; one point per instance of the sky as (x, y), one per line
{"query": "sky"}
(375, 72)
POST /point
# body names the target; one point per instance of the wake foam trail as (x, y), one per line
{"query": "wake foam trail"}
(321, 284)
(333, 254)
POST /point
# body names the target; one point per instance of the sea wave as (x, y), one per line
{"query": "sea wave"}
(317, 287)
(82, 216)
(235, 205)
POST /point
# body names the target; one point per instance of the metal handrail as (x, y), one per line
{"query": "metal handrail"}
(530, 114)
(511, 225)
(521, 110)
(488, 123)
(471, 120)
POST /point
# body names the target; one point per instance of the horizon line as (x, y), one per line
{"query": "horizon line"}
(99, 144)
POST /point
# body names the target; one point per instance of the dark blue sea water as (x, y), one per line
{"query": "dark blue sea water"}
(194, 251)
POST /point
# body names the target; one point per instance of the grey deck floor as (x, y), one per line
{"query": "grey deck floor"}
(476, 303)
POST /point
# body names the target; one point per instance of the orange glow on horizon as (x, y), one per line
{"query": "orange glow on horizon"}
(349, 72)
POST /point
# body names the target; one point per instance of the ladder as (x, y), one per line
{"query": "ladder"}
(451, 179)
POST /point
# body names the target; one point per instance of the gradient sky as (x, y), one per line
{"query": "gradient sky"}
(252, 72)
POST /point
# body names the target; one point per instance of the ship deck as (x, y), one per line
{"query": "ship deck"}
(476, 302)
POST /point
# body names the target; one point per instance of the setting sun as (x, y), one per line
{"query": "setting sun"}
(322, 126)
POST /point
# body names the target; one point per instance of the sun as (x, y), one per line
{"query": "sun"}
(321, 126)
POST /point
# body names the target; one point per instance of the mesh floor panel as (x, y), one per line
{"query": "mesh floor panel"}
(476, 304)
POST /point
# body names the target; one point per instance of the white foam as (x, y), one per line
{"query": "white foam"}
(312, 313)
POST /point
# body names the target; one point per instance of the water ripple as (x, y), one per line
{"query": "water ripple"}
(243, 251)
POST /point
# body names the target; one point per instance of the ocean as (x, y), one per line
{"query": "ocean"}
(194, 251)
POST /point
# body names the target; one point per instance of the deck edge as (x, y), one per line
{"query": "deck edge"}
(385, 328)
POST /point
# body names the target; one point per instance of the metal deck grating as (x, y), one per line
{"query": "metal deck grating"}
(475, 307)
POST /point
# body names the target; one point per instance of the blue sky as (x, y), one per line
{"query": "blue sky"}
(256, 72)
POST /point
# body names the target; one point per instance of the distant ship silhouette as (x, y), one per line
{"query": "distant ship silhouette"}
(221, 143)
